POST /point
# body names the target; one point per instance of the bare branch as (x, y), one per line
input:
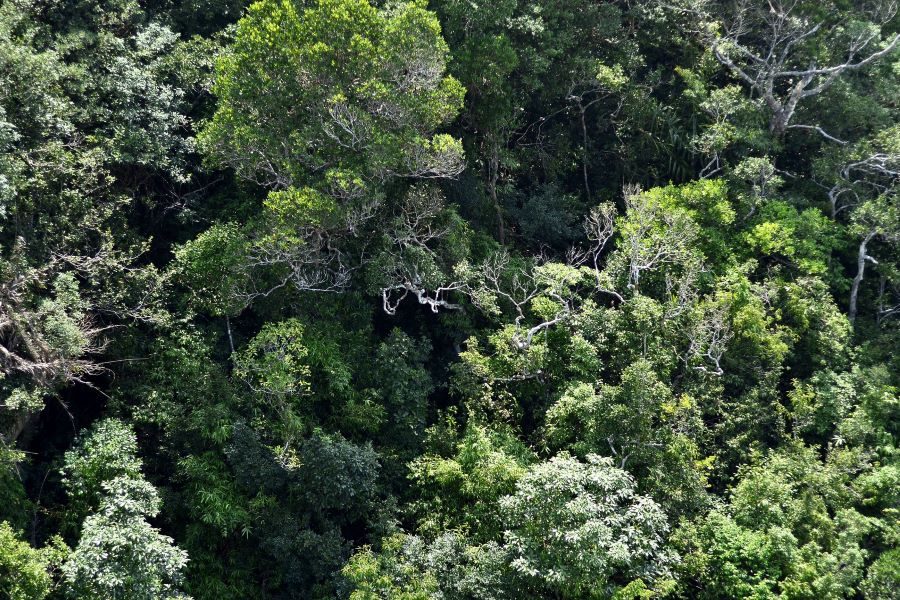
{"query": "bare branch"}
(761, 46)
(820, 131)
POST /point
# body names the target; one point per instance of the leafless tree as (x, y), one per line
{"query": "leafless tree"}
(435, 299)
(311, 261)
(324, 256)
(762, 178)
(765, 44)
(599, 228)
(347, 126)
(889, 309)
(876, 171)
(557, 290)
(877, 219)
(29, 332)
(655, 235)
(496, 284)
(708, 336)
(430, 160)
(681, 290)
(862, 257)
(411, 260)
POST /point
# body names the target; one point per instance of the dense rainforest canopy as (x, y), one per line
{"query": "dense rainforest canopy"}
(449, 299)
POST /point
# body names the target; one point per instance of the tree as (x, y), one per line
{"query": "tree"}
(325, 112)
(92, 122)
(460, 492)
(789, 530)
(883, 578)
(119, 554)
(27, 573)
(387, 574)
(877, 219)
(301, 502)
(642, 428)
(48, 346)
(579, 529)
(450, 567)
(106, 451)
(339, 95)
(211, 266)
(534, 74)
(405, 383)
(789, 50)
(274, 367)
(868, 167)
(655, 232)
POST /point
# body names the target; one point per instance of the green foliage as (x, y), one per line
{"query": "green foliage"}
(452, 300)
(26, 573)
(804, 238)
(405, 385)
(449, 567)
(548, 216)
(106, 451)
(386, 576)
(368, 83)
(210, 268)
(275, 369)
(883, 578)
(580, 529)
(461, 492)
(274, 363)
(61, 315)
(13, 496)
(119, 555)
(643, 426)
(790, 530)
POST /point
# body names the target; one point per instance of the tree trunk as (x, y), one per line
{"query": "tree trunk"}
(493, 176)
(861, 259)
(21, 420)
(584, 151)
(782, 117)
(230, 338)
(779, 122)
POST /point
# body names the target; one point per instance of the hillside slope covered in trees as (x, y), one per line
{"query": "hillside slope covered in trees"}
(449, 299)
